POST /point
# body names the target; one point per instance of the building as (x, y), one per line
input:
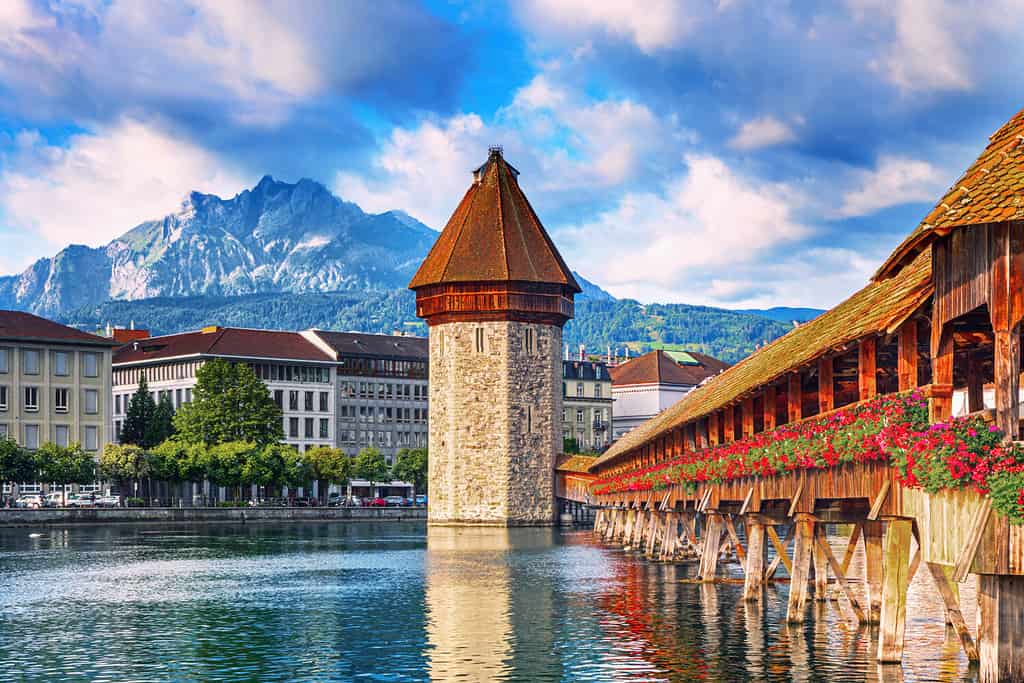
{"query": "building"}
(334, 389)
(586, 404)
(54, 385)
(495, 293)
(648, 384)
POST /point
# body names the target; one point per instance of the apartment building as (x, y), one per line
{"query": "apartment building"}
(54, 384)
(586, 403)
(334, 388)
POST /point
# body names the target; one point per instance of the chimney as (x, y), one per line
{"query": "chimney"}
(565, 354)
(583, 352)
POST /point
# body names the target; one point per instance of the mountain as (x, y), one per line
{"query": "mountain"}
(276, 237)
(785, 314)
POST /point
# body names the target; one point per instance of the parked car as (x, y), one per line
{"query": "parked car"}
(53, 499)
(301, 502)
(108, 501)
(394, 501)
(31, 500)
(353, 502)
(81, 500)
(421, 500)
(334, 499)
(377, 502)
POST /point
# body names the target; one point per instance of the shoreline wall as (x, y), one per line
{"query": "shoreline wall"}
(194, 515)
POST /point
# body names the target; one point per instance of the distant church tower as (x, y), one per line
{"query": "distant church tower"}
(495, 293)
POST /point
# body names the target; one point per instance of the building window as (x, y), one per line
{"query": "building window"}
(32, 398)
(479, 340)
(60, 400)
(580, 392)
(188, 395)
(90, 365)
(293, 427)
(60, 435)
(30, 359)
(177, 398)
(3, 431)
(117, 404)
(293, 400)
(3, 397)
(528, 340)
(279, 399)
(32, 437)
(92, 402)
(597, 391)
(565, 415)
(529, 419)
(60, 364)
(5, 361)
(579, 416)
(309, 401)
(309, 428)
(324, 428)
(324, 398)
(91, 438)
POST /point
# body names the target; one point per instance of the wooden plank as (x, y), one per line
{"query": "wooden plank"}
(953, 613)
(867, 368)
(754, 571)
(906, 344)
(794, 398)
(748, 417)
(1001, 608)
(1006, 364)
(970, 549)
(731, 528)
(975, 383)
(941, 407)
(873, 568)
(879, 500)
(795, 501)
(713, 430)
(851, 548)
(769, 408)
(893, 619)
(826, 385)
(804, 540)
(780, 549)
(729, 418)
(746, 501)
(820, 563)
(712, 543)
(844, 583)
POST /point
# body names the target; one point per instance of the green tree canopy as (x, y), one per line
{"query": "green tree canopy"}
(296, 468)
(65, 465)
(229, 403)
(265, 466)
(226, 462)
(328, 466)
(371, 466)
(139, 417)
(411, 466)
(16, 463)
(161, 426)
(124, 461)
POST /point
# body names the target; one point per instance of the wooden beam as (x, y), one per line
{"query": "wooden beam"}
(795, 501)
(730, 424)
(867, 368)
(820, 563)
(953, 613)
(801, 568)
(754, 571)
(746, 501)
(712, 543)
(748, 417)
(826, 385)
(907, 355)
(851, 547)
(879, 501)
(713, 429)
(873, 568)
(769, 408)
(1006, 366)
(794, 398)
(941, 407)
(840, 573)
(970, 549)
(892, 622)
(975, 383)
(731, 528)
(1001, 609)
(780, 551)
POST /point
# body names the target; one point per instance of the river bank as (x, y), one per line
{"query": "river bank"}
(196, 515)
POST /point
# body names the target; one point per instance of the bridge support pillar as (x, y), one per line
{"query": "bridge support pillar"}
(753, 582)
(873, 568)
(713, 528)
(820, 571)
(804, 541)
(892, 622)
(1001, 628)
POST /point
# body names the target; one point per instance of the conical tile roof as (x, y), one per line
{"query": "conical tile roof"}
(494, 236)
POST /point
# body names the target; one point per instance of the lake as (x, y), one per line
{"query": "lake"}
(394, 602)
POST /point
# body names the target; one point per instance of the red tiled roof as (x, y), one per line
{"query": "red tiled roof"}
(376, 345)
(657, 367)
(223, 341)
(494, 236)
(990, 191)
(577, 463)
(28, 327)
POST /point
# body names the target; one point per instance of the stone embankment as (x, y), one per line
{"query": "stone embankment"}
(196, 515)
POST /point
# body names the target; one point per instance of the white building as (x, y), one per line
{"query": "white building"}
(646, 385)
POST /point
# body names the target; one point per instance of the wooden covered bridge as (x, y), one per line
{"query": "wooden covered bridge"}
(847, 419)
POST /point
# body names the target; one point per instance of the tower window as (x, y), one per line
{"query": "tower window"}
(528, 340)
(479, 340)
(529, 419)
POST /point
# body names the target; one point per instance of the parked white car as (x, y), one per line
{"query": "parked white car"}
(81, 500)
(108, 502)
(32, 501)
(54, 499)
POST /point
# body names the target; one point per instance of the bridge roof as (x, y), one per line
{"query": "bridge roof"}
(990, 191)
(575, 464)
(877, 308)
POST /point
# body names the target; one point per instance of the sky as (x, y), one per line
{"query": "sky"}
(728, 153)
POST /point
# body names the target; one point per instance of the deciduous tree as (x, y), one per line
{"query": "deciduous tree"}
(411, 466)
(371, 466)
(328, 466)
(229, 404)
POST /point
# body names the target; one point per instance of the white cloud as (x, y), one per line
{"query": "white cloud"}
(656, 25)
(764, 131)
(103, 183)
(894, 181)
(699, 227)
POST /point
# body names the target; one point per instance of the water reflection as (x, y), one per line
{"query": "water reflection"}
(396, 602)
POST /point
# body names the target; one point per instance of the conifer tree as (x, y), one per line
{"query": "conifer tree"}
(161, 426)
(139, 416)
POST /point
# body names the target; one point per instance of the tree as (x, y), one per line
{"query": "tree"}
(16, 463)
(65, 465)
(265, 467)
(328, 465)
(139, 417)
(296, 469)
(226, 463)
(124, 462)
(371, 466)
(411, 466)
(229, 404)
(161, 426)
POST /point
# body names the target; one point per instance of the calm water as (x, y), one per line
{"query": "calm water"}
(322, 602)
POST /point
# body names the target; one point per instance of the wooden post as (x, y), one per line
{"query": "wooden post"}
(794, 398)
(867, 368)
(754, 573)
(730, 424)
(951, 600)
(748, 417)
(712, 540)
(1001, 627)
(906, 344)
(769, 408)
(826, 385)
(820, 571)
(801, 568)
(713, 429)
(873, 568)
(942, 372)
(975, 383)
(892, 622)
(1007, 381)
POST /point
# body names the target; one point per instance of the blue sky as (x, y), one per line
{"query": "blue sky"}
(729, 153)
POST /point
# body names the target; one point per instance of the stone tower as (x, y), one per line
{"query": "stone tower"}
(495, 293)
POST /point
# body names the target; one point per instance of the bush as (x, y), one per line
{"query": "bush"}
(135, 502)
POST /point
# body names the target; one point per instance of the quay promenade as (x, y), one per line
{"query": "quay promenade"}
(194, 515)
